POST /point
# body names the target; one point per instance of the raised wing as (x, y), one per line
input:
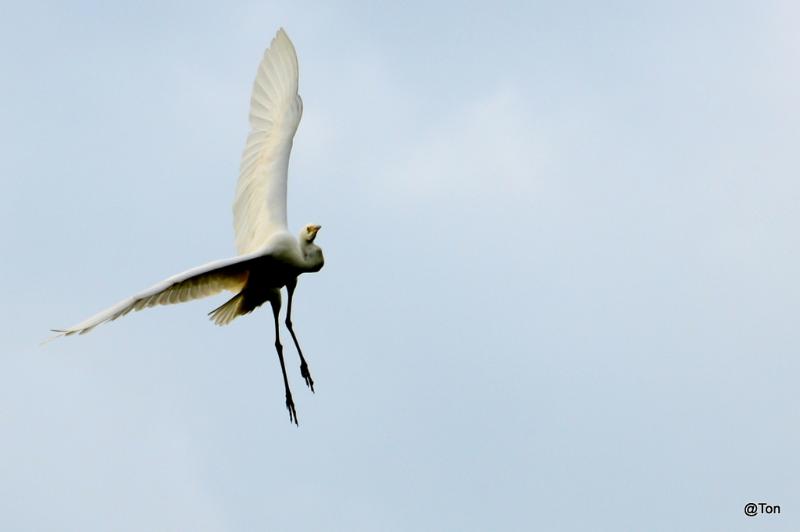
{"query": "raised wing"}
(259, 209)
(203, 281)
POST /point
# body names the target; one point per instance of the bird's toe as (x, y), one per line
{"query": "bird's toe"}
(307, 375)
(291, 409)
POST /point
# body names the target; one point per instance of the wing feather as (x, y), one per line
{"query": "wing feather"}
(259, 208)
(200, 282)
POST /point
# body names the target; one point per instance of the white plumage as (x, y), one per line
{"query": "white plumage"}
(202, 281)
(275, 112)
(269, 257)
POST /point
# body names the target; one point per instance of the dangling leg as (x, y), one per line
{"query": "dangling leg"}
(275, 301)
(303, 365)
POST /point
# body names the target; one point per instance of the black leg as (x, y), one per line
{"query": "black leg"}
(303, 364)
(276, 308)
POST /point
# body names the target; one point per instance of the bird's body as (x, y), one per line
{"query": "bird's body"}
(270, 258)
(264, 275)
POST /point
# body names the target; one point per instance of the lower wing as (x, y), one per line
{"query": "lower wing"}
(203, 281)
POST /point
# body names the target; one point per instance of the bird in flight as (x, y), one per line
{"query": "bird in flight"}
(270, 258)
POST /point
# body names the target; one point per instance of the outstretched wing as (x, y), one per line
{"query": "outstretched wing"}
(203, 281)
(259, 209)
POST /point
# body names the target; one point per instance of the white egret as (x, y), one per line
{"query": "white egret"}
(269, 256)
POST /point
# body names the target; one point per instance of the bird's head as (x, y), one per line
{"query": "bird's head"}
(309, 233)
(312, 254)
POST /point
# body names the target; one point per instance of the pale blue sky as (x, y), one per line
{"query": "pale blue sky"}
(561, 285)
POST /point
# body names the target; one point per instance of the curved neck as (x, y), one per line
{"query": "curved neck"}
(312, 256)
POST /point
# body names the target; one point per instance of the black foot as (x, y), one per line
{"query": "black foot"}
(306, 375)
(290, 408)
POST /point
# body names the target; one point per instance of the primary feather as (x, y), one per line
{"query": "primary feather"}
(203, 281)
(259, 208)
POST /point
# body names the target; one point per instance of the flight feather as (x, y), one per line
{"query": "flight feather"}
(259, 208)
(203, 281)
